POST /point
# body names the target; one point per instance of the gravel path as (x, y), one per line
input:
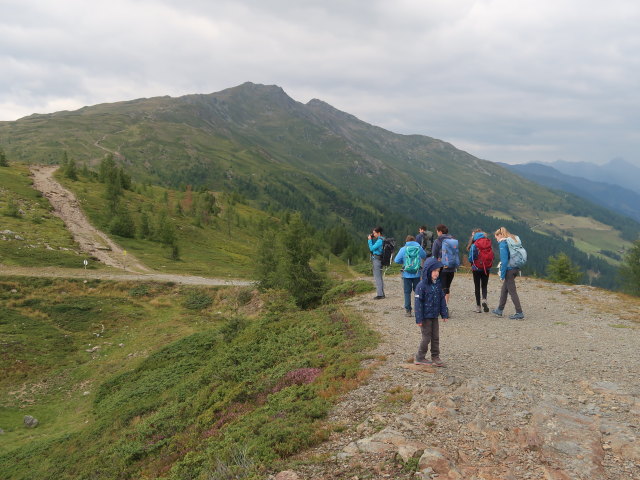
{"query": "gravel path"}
(556, 396)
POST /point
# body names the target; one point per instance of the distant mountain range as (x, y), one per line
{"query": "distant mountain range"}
(614, 197)
(280, 154)
(616, 172)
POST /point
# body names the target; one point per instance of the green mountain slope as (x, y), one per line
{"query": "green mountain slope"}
(281, 155)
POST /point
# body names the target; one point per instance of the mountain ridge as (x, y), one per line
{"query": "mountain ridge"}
(282, 154)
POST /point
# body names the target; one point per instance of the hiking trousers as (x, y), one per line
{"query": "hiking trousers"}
(409, 285)
(480, 279)
(509, 288)
(430, 330)
(377, 274)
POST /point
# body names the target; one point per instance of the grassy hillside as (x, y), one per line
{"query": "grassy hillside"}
(142, 380)
(30, 235)
(280, 155)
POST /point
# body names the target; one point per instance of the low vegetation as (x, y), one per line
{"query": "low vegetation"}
(157, 380)
(30, 235)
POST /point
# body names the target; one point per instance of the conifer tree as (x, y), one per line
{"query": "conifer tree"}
(3, 158)
(561, 269)
(630, 270)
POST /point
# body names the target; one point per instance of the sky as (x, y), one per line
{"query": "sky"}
(514, 81)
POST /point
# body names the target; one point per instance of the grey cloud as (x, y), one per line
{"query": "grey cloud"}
(510, 80)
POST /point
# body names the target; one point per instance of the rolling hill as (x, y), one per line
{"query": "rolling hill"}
(279, 155)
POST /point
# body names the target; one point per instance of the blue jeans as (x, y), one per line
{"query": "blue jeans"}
(410, 285)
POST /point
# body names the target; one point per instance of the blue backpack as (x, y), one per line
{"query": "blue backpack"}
(450, 254)
(517, 253)
(412, 259)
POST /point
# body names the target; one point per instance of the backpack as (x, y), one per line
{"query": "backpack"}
(388, 246)
(450, 253)
(517, 253)
(484, 255)
(412, 259)
(427, 242)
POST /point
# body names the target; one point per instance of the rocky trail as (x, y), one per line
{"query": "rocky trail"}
(554, 397)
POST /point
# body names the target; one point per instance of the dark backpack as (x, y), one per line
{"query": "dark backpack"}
(388, 246)
(427, 242)
(450, 254)
(484, 254)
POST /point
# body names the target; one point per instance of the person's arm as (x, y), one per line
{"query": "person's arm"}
(423, 254)
(418, 307)
(504, 258)
(435, 248)
(472, 252)
(400, 256)
(444, 309)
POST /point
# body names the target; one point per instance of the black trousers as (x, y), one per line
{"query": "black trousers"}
(480, 279)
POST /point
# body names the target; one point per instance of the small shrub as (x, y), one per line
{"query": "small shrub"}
(197, 301)
(139, 291)
(346, 290)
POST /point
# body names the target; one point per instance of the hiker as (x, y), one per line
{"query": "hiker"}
(481, 260)
(509, 269)
(430, 304)
(411, 256)
(375, 247)
(425, 239)
(445, 249)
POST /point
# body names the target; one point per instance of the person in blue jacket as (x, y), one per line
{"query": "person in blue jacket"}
(429, 305)
(407, 256)
(376, 240)
(507, 275)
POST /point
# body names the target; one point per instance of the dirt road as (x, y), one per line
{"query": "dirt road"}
(96, 243)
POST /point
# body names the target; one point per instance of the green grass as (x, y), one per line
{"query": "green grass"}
(128, 380)
(43, 239)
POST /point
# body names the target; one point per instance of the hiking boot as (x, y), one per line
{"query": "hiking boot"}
(408, 313)
(485, 306)
(517, 316)
(437, 362)
(378, 297)
(426, 361)
(497, 312)
(478, 309)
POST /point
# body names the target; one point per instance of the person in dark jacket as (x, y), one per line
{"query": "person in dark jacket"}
(447, 273)
(430, 304)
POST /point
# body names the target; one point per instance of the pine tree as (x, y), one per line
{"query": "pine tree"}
(561, 269)
(3, 159)
(630, 270)
(286, 263)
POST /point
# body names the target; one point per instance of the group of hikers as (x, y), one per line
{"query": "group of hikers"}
(429, 265)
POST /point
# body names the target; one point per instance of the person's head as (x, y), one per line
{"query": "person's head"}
(435, 273)
(410, 238)
(502, 233)
(376, 232)
(442, 229)
(422, 229)
(473, 238)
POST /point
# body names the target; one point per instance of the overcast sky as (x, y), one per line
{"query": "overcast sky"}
(505, 80)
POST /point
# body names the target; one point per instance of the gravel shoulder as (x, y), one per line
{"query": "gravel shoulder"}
(556, 396)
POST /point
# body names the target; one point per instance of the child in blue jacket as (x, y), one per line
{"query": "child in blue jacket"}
(429, 305)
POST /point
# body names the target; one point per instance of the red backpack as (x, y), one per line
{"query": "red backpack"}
(484, 255)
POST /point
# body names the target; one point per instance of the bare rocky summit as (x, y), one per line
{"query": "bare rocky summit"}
(554, 397)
